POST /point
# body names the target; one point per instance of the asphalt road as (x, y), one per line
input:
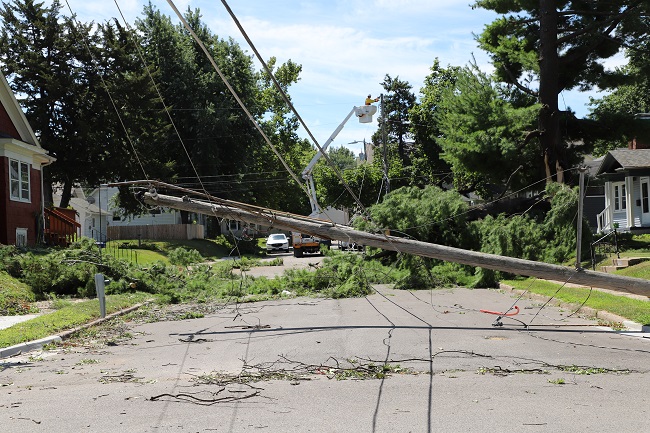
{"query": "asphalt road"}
(310, 365)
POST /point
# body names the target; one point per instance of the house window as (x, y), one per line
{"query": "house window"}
(21, 237)
(233, 225)
(19, 180)
(620, 203)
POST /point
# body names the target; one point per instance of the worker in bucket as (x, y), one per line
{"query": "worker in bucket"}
(369, 100)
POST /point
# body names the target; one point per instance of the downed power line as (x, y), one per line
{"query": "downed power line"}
(328, 230)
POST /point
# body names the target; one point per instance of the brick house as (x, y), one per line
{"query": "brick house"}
(21, 162)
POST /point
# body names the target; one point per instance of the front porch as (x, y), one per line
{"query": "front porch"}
(627, 190)
(627, 206)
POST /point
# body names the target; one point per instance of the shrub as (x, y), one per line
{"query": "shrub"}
(15, 297)
(559, 225)
(427, 214)
(10, 260)
(516, 236)
(183, 257)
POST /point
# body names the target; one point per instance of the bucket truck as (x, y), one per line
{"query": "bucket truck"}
(305, 243)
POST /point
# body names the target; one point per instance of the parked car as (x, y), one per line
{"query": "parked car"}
(277, 242)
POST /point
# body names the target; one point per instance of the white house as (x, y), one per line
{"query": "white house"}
(627, 189)
(88, 214)
(97, 212)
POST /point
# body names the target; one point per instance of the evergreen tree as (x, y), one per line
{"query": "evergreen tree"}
(429, 167)
(37, 51)
(213, 138)
(86, 94)
(560, 45)
(482, 136)
(396, 103)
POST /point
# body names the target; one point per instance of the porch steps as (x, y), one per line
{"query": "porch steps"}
(618, 264)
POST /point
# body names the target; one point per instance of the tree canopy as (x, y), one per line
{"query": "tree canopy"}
(544, 47)
(482, 136)
(116, 103)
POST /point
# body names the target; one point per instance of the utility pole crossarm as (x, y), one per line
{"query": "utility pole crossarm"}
(326, 230)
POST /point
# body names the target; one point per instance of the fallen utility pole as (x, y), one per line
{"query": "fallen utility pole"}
(325, 229)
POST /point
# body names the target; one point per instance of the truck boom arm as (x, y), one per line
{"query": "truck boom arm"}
(307, 172)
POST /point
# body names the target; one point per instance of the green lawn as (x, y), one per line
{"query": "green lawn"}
(146, 251)
(642, 270)
(68, 317)
(632, 309)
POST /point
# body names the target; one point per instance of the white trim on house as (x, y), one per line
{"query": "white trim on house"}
(620, 196)
(16, 114)
(19, 187)
(21, 237)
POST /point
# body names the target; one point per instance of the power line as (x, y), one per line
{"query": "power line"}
(291, 106)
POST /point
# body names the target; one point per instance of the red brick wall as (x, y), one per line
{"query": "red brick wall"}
(6, 125)
(16, 214)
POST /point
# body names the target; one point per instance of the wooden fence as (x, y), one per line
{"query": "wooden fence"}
(157, 232)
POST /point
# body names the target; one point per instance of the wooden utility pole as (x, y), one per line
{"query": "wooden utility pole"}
(581, 197)
(328, 230)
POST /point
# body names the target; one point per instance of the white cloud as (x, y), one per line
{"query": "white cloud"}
(346, 48)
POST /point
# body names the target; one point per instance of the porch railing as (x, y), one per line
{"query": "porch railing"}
(603, 221)
(605, 246)
(60, 229)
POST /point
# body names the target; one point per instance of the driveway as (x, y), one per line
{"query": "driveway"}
(288, 262)
(394, 361)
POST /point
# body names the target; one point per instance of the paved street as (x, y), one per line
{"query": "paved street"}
(315, 361)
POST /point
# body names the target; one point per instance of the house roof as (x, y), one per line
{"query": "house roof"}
(10, 103)
(78, 204)
(625, 159)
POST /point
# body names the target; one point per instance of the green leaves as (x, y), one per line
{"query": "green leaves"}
(427, 214)
(482, 135)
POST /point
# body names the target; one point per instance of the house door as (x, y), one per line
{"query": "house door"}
(645, 201)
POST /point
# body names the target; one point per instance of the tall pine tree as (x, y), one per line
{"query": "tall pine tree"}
(560, 45)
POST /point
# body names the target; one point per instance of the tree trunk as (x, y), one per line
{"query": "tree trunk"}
(548, 88)
(66, 194)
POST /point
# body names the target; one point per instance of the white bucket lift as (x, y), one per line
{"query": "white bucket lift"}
(365, 112)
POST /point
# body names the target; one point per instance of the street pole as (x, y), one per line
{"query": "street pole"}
(581, 194)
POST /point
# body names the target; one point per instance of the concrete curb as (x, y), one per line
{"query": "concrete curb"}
(38, 344)
(28, 346)
(588, 311)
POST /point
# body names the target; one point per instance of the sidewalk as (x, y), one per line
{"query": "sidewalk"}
(9, 321)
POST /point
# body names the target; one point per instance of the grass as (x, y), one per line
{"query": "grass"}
(15, 297)
(146, 252)
(632, 309)
(219, 283)
(66, 318)
(642, 270)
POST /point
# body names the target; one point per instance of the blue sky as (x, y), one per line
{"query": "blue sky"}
(345, 48)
